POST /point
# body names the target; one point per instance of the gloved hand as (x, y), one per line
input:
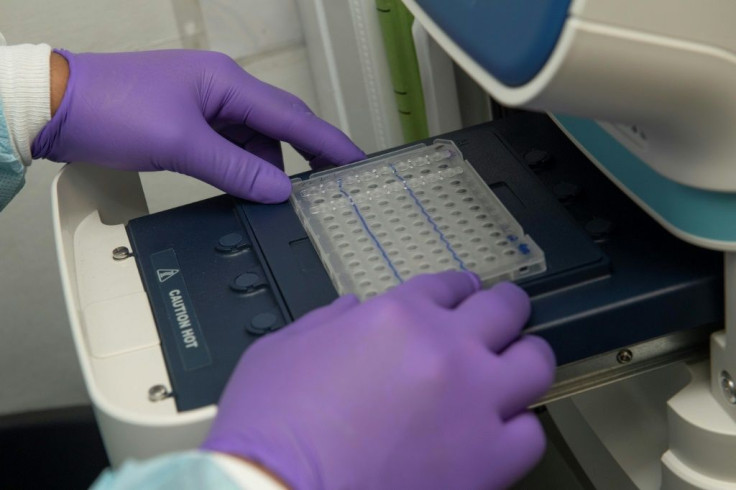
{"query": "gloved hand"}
(169, 110)
(423, 387)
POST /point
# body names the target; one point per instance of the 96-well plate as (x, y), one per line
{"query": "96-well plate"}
(379, 222)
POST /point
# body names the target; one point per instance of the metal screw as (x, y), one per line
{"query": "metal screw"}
(156, 393)
(121, 253)
(624, 356)
(728, 387)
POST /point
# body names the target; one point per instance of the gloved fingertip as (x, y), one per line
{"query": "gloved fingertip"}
(284, 190)
(276, 191)
(347, 299)
(352, 154)
(340, 156)
(544, 349)
(475, 279)
(511, 293)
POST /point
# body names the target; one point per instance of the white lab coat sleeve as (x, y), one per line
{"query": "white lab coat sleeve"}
(25, 93)
(25, 107)
(192, 470)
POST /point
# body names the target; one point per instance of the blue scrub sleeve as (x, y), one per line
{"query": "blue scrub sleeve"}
(12, 171)
(179, 471)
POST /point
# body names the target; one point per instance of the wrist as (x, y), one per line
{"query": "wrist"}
(250, 472)
(59, 75)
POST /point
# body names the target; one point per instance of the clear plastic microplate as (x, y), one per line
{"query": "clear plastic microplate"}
(379, 222)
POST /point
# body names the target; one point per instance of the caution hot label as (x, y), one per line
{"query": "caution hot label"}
(190, 342)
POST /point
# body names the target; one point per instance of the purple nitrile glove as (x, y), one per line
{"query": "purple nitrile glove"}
(423, 387)
(173, 110)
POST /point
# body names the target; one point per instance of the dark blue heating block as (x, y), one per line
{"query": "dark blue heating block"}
(222, 272)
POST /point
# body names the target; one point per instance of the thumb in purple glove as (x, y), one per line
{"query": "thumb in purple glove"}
(192, 112)
(423, 387)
